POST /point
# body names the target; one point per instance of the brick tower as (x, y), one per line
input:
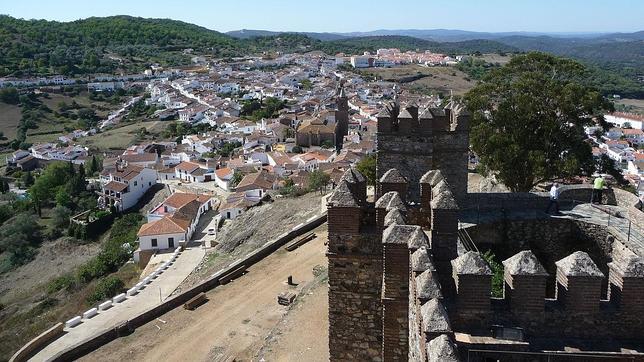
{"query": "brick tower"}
(341, 117)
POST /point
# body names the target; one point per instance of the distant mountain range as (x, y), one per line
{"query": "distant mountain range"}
(447, 35)
(622, 52)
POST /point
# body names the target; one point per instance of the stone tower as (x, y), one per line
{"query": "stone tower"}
(414, 141)
(355, 273)
(341, 117)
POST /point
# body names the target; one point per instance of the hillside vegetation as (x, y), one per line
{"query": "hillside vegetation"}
(97, 45)
(108, 44)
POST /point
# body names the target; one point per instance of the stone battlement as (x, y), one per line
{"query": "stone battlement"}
(400, 288)
(413, 141)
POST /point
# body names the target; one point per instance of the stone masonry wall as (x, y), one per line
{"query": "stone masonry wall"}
(451, 152)
(354, 308)
(410, 154)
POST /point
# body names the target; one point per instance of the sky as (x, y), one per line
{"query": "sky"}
(350, 15)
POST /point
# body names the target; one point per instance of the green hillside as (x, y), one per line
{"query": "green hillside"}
(101, 45)
(47, 47)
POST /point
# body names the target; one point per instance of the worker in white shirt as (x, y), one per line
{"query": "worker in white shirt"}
(554, 198)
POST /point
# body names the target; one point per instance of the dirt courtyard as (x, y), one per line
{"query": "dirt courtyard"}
(242, 320)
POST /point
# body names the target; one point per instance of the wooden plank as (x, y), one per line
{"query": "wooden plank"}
(303, 240)
(196, 301)
(226, 278)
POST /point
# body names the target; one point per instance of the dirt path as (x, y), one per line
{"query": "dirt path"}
(240, 317)
(302, 335)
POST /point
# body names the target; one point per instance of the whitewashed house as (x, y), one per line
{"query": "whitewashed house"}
(124, 186)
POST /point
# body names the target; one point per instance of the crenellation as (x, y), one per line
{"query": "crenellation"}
(525, 283)
(579, 283)
(398, 287)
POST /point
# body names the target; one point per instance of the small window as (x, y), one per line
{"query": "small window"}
(135, 183)
(150, 183)
(154, 243)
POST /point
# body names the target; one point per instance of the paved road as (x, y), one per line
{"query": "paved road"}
(148, 298)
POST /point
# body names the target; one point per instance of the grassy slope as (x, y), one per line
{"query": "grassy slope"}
(438, 79)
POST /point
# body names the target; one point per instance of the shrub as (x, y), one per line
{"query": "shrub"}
(63, 282)
(106, 288)
(113, 254)
(497, 273)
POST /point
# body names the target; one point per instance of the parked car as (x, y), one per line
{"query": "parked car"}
(211, 231)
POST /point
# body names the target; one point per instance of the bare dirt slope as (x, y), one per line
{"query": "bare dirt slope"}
(54, 258)
(253, 229)
(265, 222)
(242, 320)
(26, 308)
(431, 79)
(292, 339)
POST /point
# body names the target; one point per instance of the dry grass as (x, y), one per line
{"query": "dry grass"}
(121, 137)
(635, 105)
(10, 115)
(495, 58)
(434, 80)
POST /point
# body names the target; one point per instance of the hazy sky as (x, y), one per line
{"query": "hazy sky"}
(350, 15)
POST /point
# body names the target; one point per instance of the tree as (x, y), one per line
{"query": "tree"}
(9, 95)
(367, 167)
(63, 198)
(236, 179)
(528, 120)
(606, 165)
(94, 165)
(86, 113)
(47, 185)
(327, 144)
(27, 179)
(306, 84)
(106, 288)
(598, 134)
(60, 217)
(318, 180)
(19, 237)
(4, 186)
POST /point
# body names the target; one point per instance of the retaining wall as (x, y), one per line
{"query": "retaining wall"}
(127, 326)
(38, 343)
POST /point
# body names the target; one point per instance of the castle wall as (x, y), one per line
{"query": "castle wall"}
(354, 307)
(451, 155)
(355, 277)
(437, 139)
(410, 154)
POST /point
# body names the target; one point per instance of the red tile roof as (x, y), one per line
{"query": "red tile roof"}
(115, 186)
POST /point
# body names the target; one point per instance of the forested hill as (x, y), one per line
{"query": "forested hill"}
(40, 47)
(44, 47)
(404, 43)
